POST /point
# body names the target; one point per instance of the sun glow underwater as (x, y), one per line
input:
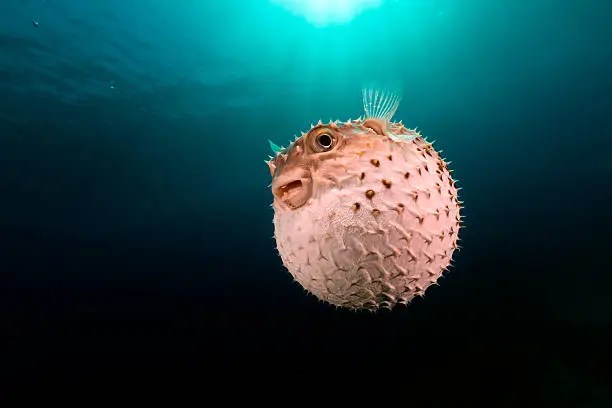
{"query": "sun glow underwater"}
(321, 13)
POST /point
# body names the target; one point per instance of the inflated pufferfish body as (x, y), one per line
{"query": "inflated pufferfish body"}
(366, 213)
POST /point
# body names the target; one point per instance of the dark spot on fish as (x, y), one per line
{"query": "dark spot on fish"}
(362, 176)
(375, 162)
(406, 174)
(375, 212)
(400, 207)
(356, 206)
(386, 183)
(369, 194)
(390, 157)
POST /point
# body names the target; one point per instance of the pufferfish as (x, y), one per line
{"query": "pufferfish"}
(366, 212)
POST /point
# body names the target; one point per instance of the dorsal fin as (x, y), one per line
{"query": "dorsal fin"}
(380, 103)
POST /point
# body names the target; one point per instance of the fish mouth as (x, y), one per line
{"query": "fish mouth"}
(290, 189)
(294, 193)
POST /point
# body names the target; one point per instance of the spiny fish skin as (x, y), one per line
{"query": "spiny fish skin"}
(369, 222)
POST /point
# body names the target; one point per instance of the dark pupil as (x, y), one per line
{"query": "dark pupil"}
(325, 140)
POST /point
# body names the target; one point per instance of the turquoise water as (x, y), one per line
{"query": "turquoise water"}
(183, 99)
(147, 123)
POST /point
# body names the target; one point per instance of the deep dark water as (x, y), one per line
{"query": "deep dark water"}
(135, 219)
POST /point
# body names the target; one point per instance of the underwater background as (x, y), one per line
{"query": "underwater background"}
(135, 209)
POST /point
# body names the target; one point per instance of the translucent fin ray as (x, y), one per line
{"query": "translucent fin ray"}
(274, 147)
(381, 103)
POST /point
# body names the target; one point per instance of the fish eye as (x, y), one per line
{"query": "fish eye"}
(322, 140)
(325, 141)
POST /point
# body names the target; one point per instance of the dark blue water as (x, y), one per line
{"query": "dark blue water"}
(135, 210)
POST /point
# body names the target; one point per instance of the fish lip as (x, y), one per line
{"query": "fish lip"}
(293, 192)
(290, 189)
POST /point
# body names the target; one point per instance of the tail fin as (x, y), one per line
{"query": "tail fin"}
(380, 103)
